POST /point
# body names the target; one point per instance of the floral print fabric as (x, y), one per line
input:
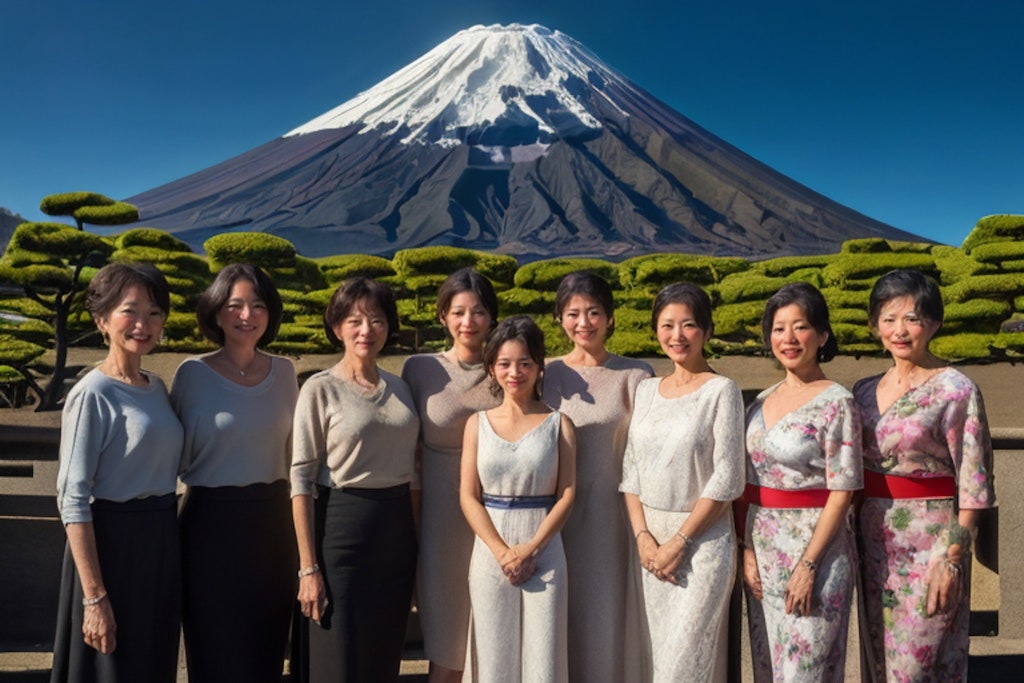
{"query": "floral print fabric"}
(936, 429)
(816, 446)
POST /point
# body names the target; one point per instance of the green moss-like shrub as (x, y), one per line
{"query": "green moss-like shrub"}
(866, 245)
(995, 228)
(19, 258)
(18, 352)
(854, 316)
(303, 274)
(59, 240)
(172, 261)
(841, 298)
(1005, 286)
(518, 300)
(738, 321)
(117, 213)
(433, 260)
(997, 252)
(27, 307)
(66, 203)
(9, 375)
(954, 264)
(1010, 341)
(978, 309)
(151, 237)
(748, 287)
(181, 324)
(785, 265)
(337, 269)
(40, 277)
(657, 270)
(31, 330)
(847, 333)
(545, 275)
(912, 247)
(963, 346)
(633, 319)
(811, 276)
(634, 343)
(258, 248)
(859, 266)
(499, 268)
(425, 286)
(1018, 303)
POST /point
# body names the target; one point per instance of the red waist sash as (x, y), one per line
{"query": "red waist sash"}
(877, 485)
(779, 498)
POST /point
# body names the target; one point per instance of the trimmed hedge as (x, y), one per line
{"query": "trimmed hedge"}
(954, 264)
(66, 203)
(1005, 286)
(634, 343)
(545, 275)
(748, 287)
(785, 265)
(519, 300)
(26, 307)
(964, 346)
(861, 266)
(31, 330)
(854, 316)
(337, 269)
(997, 252)
(738, 321)
(978, 309)
(995, 228)
(258, 248)
(117, 213)
(654, 271)
(433, 260)
(58, 240)
(18, 352)
(151, 237)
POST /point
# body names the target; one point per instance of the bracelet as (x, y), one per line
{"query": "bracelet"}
(687, 541)
(309, 571)
(89, 602)
(953, 568)
(642, 532)
(811, 566)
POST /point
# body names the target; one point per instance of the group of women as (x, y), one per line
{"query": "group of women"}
(562, 519)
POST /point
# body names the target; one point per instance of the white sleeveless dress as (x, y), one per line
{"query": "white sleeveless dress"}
(518, 633)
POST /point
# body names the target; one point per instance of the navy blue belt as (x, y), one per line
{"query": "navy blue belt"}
(517, 502)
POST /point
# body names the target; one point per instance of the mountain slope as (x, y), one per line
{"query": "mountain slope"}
(515, 139)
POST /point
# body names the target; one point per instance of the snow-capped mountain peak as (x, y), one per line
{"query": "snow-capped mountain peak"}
(527, 81)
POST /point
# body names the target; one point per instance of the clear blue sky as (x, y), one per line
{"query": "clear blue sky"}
(908, 111)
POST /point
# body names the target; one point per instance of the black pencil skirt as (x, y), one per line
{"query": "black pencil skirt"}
(139, 555)
(366, 548)
(238, 563)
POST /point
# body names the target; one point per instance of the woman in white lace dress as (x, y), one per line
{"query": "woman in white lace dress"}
(683, 466)
(518, 482)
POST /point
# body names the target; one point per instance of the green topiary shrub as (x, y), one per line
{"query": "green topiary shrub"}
(995, 228)
(737, 322)
(433, 260)
(748, 287)
(954, 264)
(545, 275)
(978, 309)
(869, 266)
(912, 247)
(30, 330)
(811, 276)
(997, 252)
(58, 240)
(634, 343)
(499, 268)
(117, 213)
(518, 300)
(1006, 286)
(18, 352)
(853, 316)
(181, 324)
(27, 307)
(842, 298)
(66, 203)
(963, 346)
(303, 274)
(784, 265)
(337, 269)
(258, 248)
(150, 237)
(866, 245)
(847, 334)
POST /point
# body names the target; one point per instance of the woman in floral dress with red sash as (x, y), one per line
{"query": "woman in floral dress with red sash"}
(928, 470)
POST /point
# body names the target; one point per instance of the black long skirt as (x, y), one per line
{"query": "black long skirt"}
(238, 562)
(139, 556)
(367, 550)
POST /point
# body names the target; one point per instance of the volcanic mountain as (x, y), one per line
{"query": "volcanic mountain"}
(515, 139)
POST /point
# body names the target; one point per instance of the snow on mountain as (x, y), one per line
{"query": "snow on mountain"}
(523, 76)
(515, 139)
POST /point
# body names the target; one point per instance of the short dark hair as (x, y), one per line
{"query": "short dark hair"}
(107, 287)
(217, 294)
(903, 282)
(813, 305)
(690, 295)
(348, 295)
(583, 283)
(467, 280)
(519, 328)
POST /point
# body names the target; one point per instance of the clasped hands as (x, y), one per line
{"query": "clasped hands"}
(518, 564)
(661, 560)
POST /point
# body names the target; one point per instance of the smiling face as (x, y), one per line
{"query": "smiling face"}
(515, 371)
(586, 323)
(467, 321)
(134, 325)
(244, 317)
(795, 342)
(680, 336)
(903, 332)
(364, 331)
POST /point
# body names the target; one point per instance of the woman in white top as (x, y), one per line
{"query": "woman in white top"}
(518, 481)
(120, 598)
(237, 538)
(353, 459)
(683, 466)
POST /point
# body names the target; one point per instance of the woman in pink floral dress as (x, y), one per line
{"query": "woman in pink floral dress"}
(928, 469)
(804, 446)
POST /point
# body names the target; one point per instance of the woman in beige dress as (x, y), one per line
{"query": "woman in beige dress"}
(595, 388)
(448, 387)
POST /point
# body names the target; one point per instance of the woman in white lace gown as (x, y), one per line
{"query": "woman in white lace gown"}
(518, 479)
(684, 464)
